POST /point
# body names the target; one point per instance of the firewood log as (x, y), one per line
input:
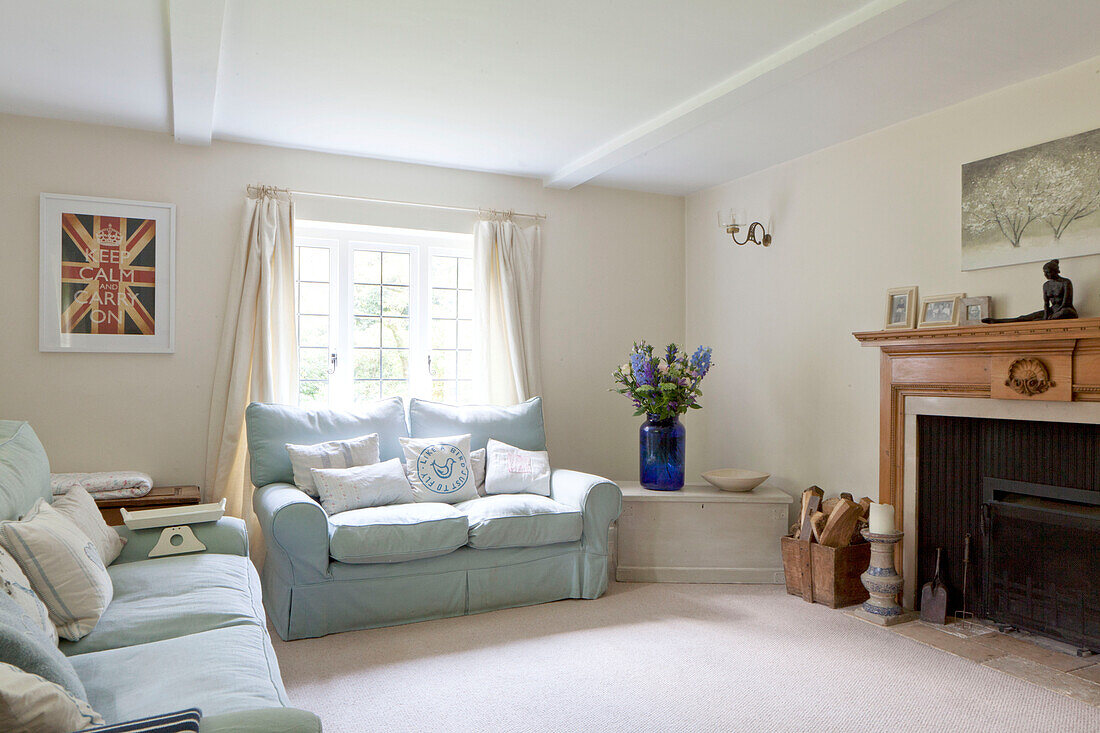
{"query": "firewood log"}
(857, 536)
(812, 491)
(847, 495)
(818, 522)
(829, 504)
(865, 507)
(838, 530)
(793, 531)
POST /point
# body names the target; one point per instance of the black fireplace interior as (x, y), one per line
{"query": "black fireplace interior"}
(1028, 493)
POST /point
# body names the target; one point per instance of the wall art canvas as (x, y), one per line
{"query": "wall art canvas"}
(106, 275)
(1034, 204)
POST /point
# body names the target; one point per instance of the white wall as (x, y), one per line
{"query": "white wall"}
(793, 393)
(612, 273)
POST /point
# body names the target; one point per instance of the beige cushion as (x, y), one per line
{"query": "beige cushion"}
(440, 469)
(32, 704)
(361, 451)
(63, 566)
(79, 506)
(16, 585)
(344, 489)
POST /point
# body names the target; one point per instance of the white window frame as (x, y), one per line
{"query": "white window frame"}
(342, 240)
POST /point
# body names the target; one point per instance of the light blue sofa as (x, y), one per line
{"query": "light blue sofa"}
(183, 631)
(314, 585)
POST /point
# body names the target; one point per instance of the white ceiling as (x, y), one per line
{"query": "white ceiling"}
(652, 95)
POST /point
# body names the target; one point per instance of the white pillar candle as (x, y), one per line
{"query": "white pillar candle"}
(881, 520)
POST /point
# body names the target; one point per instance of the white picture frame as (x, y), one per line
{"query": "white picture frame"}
(940, 311)
(106, 275)
(901, 307)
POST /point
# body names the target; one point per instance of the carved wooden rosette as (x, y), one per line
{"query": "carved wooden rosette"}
(1028, 376)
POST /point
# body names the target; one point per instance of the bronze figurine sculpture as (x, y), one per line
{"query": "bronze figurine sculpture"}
(1057, 299)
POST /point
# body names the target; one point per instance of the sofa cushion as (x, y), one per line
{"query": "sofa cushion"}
(168, 597)
(79, 506)
(25, 644)
(512, 470)
(440, 469)
(63, 566)
(271, 427)
(361, 451)
(24, 469)
(359, 487)
(33, 704)
(396, 533)
(519, 425)
(218, 671)
(520, 520)
(14, 584)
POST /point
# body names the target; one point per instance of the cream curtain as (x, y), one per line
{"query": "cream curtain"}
(507, 292)
(258, 356)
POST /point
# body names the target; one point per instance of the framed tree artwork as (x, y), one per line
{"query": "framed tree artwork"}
(1034, 204)
(106, 275)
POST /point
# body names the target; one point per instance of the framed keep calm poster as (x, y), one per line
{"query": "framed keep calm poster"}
(106, 275)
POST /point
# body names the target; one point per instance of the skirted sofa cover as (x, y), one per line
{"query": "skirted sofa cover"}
(489, 553)
(181, 631)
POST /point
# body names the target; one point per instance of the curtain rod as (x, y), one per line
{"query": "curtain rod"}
(482, 212)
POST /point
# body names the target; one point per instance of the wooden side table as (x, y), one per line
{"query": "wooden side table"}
(700, 534)
(158, 498)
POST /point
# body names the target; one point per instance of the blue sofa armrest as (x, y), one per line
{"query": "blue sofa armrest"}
(262, 720)
(599, 500)
(295, 529)
(227, 536)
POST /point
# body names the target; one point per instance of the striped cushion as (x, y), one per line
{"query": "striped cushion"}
(63, 566)
(361, 451)
(181, 722)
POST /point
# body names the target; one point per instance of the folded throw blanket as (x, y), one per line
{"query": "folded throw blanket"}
(104, 484)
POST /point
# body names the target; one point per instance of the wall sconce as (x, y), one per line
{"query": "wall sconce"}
(755, 233)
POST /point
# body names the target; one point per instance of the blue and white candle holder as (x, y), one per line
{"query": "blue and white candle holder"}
(883, 583)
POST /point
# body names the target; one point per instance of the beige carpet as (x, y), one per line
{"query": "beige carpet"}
(660, 657)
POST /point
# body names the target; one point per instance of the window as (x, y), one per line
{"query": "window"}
(383, 312)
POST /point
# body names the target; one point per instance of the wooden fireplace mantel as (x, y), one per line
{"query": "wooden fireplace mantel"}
(1034, 361)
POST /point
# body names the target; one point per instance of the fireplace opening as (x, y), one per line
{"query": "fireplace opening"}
(1028, 494)
(1042, 571)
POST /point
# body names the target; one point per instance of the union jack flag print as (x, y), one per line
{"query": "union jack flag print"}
(108, 275)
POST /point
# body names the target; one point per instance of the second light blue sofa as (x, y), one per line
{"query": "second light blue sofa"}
(308, 592)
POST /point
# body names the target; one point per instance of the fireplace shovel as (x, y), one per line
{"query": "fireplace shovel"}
(933, 597)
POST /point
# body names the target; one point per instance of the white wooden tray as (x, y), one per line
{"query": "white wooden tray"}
(173, 515)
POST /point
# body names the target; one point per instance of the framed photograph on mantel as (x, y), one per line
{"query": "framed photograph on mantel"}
(901, 307)
(938, 311)
(106, 275)
(974, 310)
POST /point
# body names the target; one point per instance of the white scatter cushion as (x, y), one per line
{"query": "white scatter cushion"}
(511, 470)
(32, 704)
(15, 584)
(359, 487)
(79, 506)
(361, 451)
(439, 469)
(63, 566)
(477, 461)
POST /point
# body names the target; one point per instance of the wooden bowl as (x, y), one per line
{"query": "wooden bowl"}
(735, 479)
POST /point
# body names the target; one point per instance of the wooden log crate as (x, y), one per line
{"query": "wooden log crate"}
(828, 575)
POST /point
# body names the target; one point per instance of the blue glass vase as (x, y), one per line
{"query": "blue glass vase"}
(661, 443)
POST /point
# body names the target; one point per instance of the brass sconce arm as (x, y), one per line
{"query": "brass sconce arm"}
(750, 235)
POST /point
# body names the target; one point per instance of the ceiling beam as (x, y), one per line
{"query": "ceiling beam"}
(848, 34)
(195, 36)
